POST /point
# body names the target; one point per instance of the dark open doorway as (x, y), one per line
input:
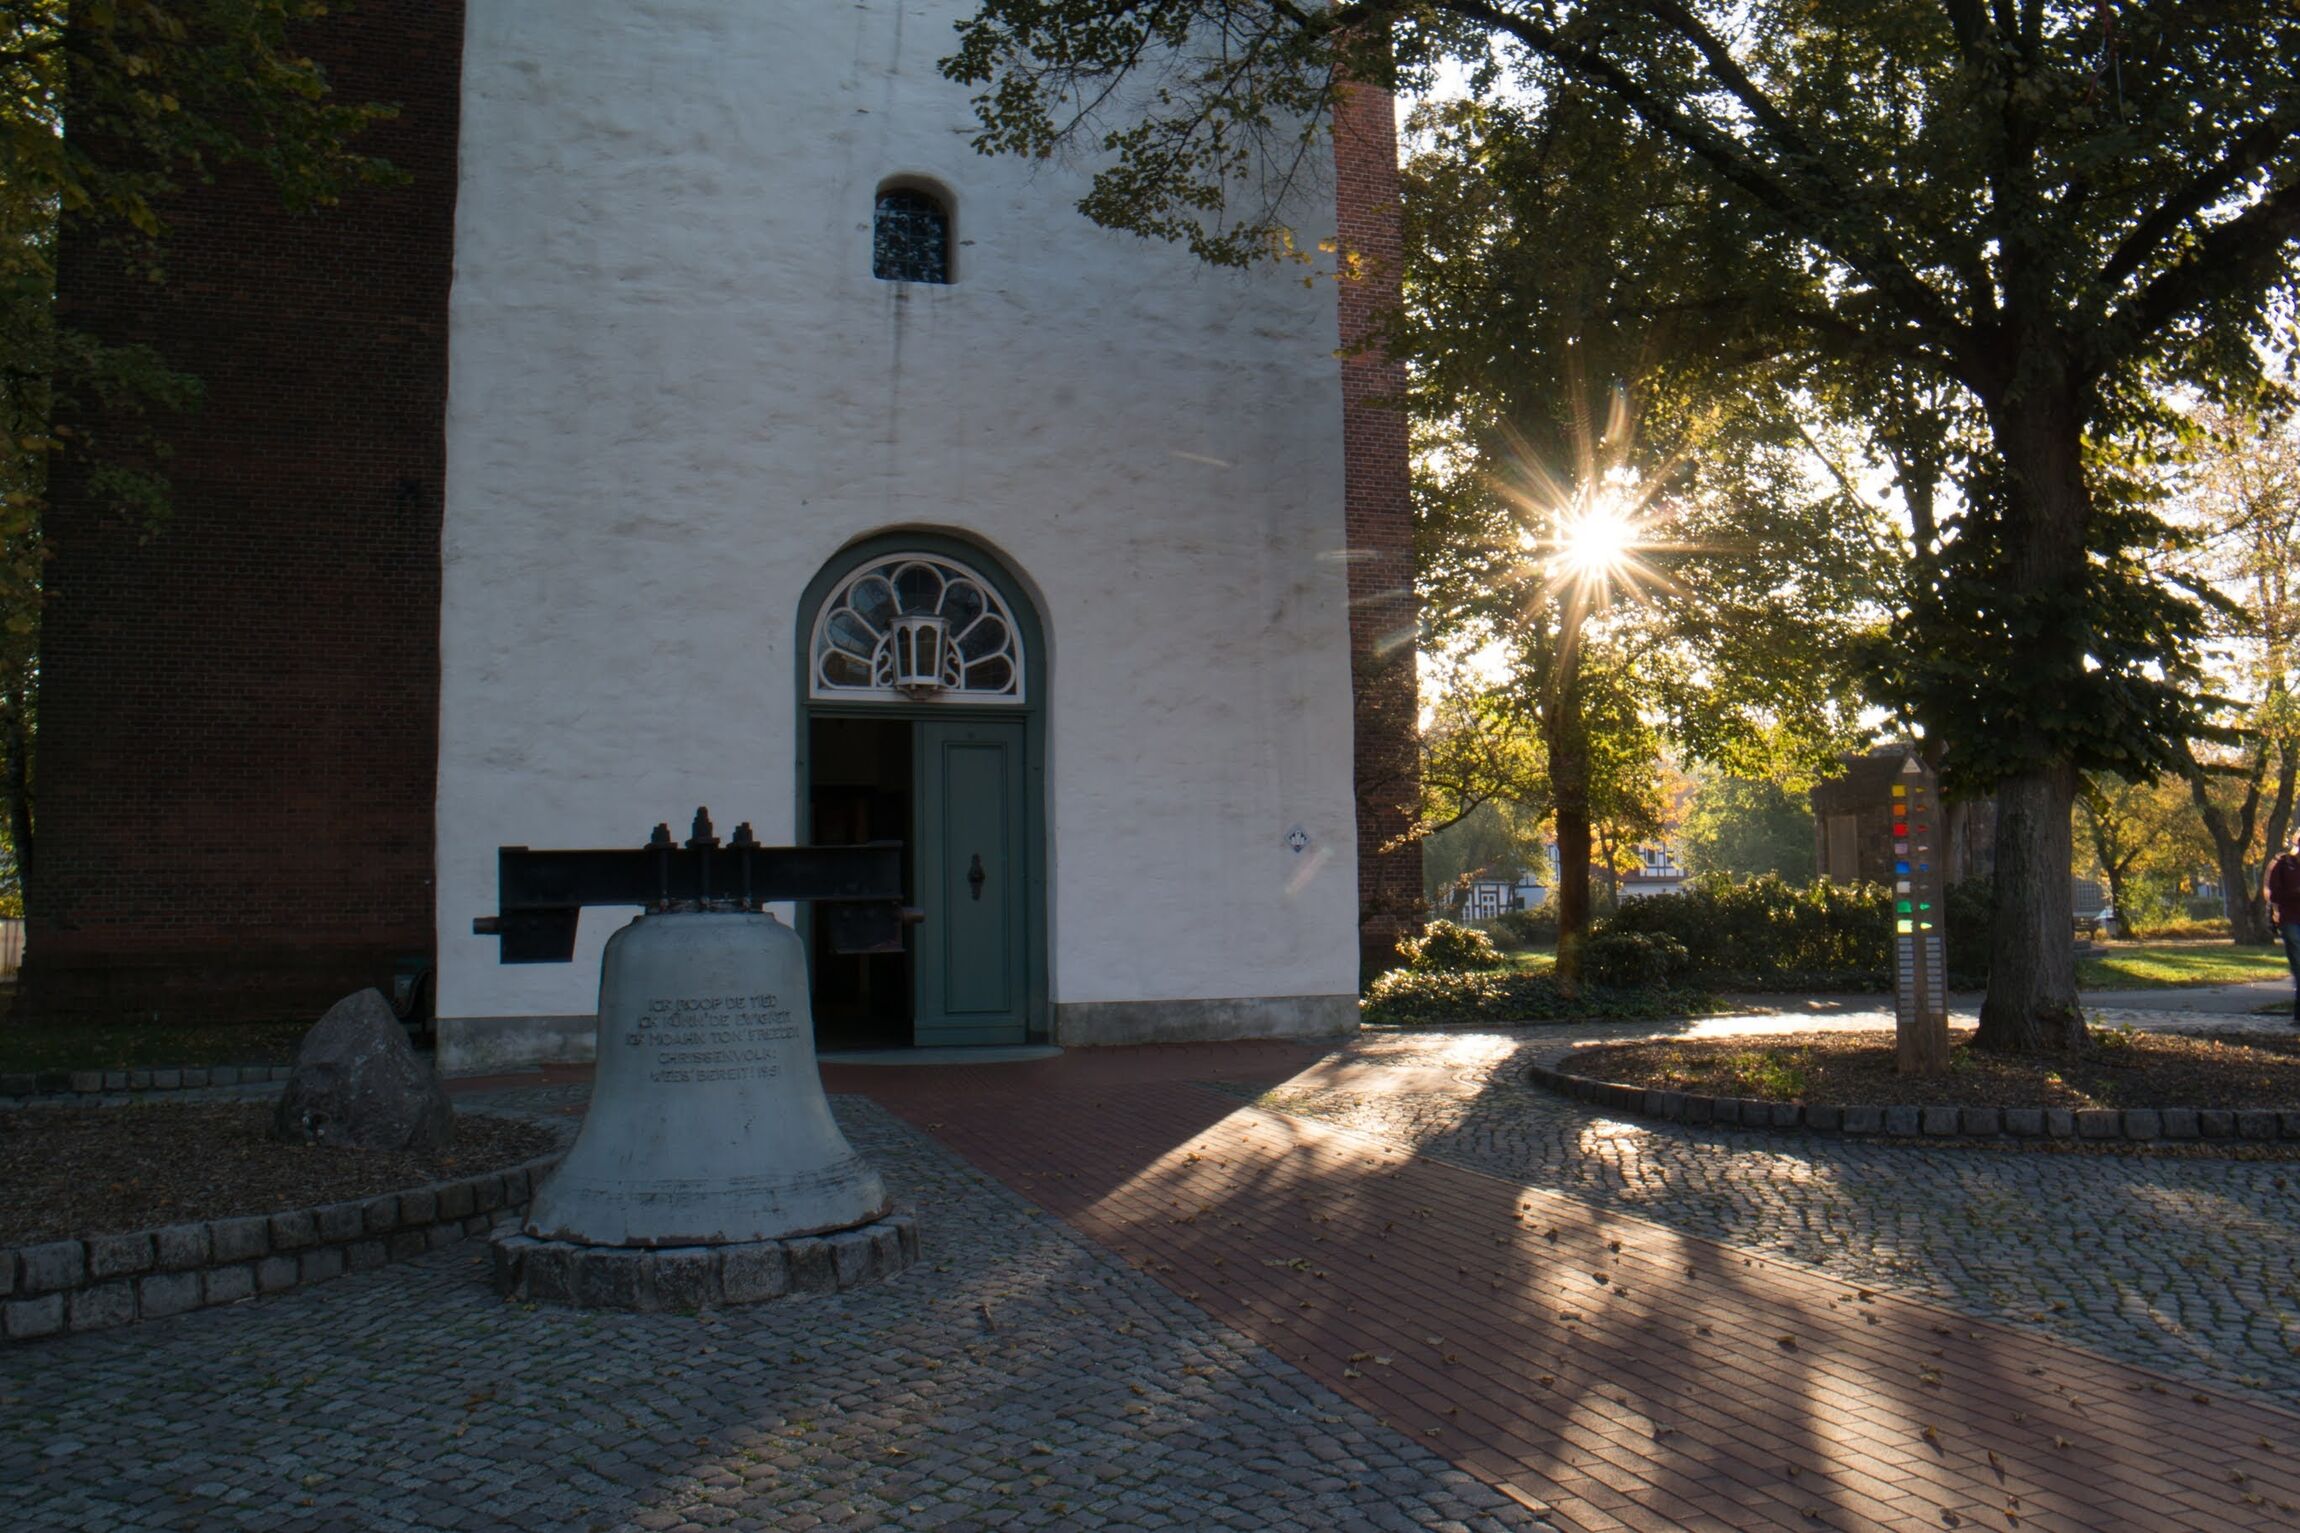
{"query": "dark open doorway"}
(859, 789)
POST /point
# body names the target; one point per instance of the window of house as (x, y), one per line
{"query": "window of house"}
(910, 236)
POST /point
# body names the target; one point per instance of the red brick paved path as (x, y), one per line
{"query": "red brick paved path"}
(1618, 1372)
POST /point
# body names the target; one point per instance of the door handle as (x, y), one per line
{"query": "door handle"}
(975, 876)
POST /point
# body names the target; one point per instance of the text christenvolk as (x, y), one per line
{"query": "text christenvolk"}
(713, 1038)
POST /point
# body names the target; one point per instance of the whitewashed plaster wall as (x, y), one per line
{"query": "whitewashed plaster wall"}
(677, 390)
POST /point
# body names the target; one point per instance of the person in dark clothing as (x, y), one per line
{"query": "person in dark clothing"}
(2282, 886)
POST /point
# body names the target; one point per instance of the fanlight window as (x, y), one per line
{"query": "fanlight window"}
(917, 627)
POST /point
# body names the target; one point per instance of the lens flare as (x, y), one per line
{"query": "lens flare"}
(1599, 542)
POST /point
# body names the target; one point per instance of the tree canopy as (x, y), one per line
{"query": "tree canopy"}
(1743, 828)
(2039, 214)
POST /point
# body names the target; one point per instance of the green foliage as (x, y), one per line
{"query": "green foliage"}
(1484, 788)
(1741, 829)
(2151, 905)
(1404, 998)
(1524, 928)
(1445, 948)
(1766, 933)
(1629, 959)
(2129, 712)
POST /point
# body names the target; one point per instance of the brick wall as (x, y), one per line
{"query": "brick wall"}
(1383, 614)
(238, 731)
(1861, 797)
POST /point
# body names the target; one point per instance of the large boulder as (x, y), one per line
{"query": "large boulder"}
(357, 1085)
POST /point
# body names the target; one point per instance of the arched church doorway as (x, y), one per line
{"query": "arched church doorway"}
(922, 714)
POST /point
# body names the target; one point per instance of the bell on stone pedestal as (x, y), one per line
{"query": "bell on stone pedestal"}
(708, 1124)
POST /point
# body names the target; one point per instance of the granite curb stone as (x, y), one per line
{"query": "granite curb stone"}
(108, 1280)
(25, 1085)
(675, 1279)
(2139, 1125)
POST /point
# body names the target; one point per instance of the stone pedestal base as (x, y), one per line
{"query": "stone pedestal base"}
(698, 1277)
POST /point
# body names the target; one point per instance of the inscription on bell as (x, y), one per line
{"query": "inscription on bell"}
(695, 1040)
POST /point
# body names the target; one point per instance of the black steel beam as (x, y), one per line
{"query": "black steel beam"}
(540, 894)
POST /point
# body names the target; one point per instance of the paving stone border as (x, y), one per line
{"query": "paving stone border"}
(674, 1278)
(21, 1084)
(109, 1280)
(2143, 1125)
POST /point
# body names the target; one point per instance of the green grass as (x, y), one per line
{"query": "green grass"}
(146, 1045)
(1532, 960)
(1777, 1075)
(2150, 965)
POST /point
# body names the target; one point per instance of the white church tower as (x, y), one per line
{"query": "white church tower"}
(805, 463)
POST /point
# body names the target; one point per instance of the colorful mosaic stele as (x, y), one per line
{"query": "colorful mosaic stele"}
(1920, 953)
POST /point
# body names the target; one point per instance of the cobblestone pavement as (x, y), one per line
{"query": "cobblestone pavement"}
(1614, 1371)
(2188, 1264)
(1020, 1378)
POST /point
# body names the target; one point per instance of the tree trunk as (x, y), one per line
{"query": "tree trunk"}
(2116, 900)
(1572, 890)
(16, 782)
(2031, 1002)
(2239, 884)
(2112, 867)
(1606, 846)
(1957, 821)
(1568, 746)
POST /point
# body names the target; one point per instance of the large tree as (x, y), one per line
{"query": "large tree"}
(2050, 210)
(109, 109)
(1613, 498)
(2242, 497)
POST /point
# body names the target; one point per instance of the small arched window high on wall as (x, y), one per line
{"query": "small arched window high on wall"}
(910, 236)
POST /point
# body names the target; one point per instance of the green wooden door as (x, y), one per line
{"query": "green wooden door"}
(973, 950)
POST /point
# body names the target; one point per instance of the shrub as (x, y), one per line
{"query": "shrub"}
(1766, 932)
(1409, 997)
(1444, 948)
(2185, 930)
(1524, 928)
(1628, 959)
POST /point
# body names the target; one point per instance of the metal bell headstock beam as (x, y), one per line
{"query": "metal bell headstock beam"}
(856, 890)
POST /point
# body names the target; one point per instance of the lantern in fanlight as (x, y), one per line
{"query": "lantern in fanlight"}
(919, 643)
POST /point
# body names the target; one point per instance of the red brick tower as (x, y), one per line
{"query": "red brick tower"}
(1379, 510)
(239, 718)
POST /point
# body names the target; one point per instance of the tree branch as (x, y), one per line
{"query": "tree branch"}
(2246, 155)
(1817, 213)
(2228, 255)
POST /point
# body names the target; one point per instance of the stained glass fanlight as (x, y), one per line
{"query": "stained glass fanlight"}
(917, 627)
